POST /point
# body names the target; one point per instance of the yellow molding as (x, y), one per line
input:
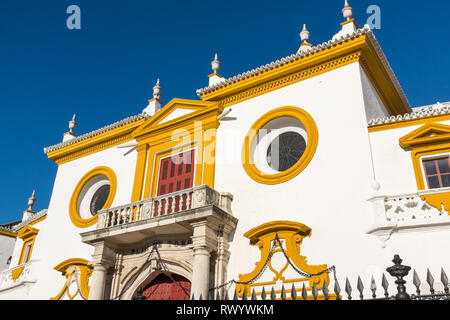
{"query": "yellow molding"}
(67, 268)
(313, 140)
(214, 74)
(27, 232)
(95, 143)
(142, 151)
(349, 21)
(73, 210)
(15, 273)
(8, 234)
(409, 122)
(200, 109)
(354, 50)
(291, 235)
(427, 135)
(194, 130)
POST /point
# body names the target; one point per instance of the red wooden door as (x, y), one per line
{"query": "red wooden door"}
(163, 287)
(175, 173)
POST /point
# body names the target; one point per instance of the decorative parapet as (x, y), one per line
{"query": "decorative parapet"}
(16, 276)
(423, 112)
(405, 213)
(175, 202)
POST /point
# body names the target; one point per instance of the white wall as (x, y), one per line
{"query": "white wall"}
(59, 239)
(330, 195)
(6, 250)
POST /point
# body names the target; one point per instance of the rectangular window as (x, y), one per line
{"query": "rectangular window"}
(27, 253)
(437, 172)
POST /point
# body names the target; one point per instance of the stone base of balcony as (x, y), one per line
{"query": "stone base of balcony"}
(165, 226)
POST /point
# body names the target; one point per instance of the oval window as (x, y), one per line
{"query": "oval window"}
(279, 145)
(95, 191)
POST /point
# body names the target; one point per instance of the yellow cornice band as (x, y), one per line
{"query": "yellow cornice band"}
(354, 50)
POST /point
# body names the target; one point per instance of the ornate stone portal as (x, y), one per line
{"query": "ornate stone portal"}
(279, 243)
(192, 243)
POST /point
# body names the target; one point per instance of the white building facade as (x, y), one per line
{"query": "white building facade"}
(314, 163)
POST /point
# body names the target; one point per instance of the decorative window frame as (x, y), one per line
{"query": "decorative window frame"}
(312, 141)
(28, 235)
(428, 141)
(73, 210)
(75, 270)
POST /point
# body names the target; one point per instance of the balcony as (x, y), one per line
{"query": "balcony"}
(191, 228)
(16, 277)
(167, 215)
(406, 213)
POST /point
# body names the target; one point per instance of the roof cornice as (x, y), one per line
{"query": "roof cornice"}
(313, 62)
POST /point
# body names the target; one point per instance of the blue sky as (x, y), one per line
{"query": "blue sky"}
(105, 71)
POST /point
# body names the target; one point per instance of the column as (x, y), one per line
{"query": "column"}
(98, 282)
(204, 241)
(103, 258)
(200, 273)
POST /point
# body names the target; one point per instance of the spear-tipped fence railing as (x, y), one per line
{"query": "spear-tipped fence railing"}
(397, 271)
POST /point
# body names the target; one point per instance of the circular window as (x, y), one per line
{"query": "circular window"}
(94, 192)
(279, 145)
(285, 150)
(99, 199)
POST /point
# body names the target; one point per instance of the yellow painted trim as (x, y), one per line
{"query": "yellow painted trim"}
(313, 140)
(28, 235)
(15, 273)
(214, 74)
(428, 140)
(157, 156)
(153, 124)
(38, 220)
(73, 211)
(95, 143)
(426, 136)
(8, 234)
(349, 21)
(291, 235)
(154, 99)
(194, 130)
(67, 268)
(358, 49)
(140, 172)
(409, 122)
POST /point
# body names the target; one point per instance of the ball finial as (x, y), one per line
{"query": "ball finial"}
(347, 12)
(304, 35)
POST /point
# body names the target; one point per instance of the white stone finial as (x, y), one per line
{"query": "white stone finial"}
(304, 35)
(215, 64)
(31, 201)
(347, 12)
(157, 90)
(72, 124)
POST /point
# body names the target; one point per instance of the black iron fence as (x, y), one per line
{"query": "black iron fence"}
(397, 271)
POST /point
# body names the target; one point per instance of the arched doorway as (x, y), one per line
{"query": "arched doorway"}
(167, 286)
